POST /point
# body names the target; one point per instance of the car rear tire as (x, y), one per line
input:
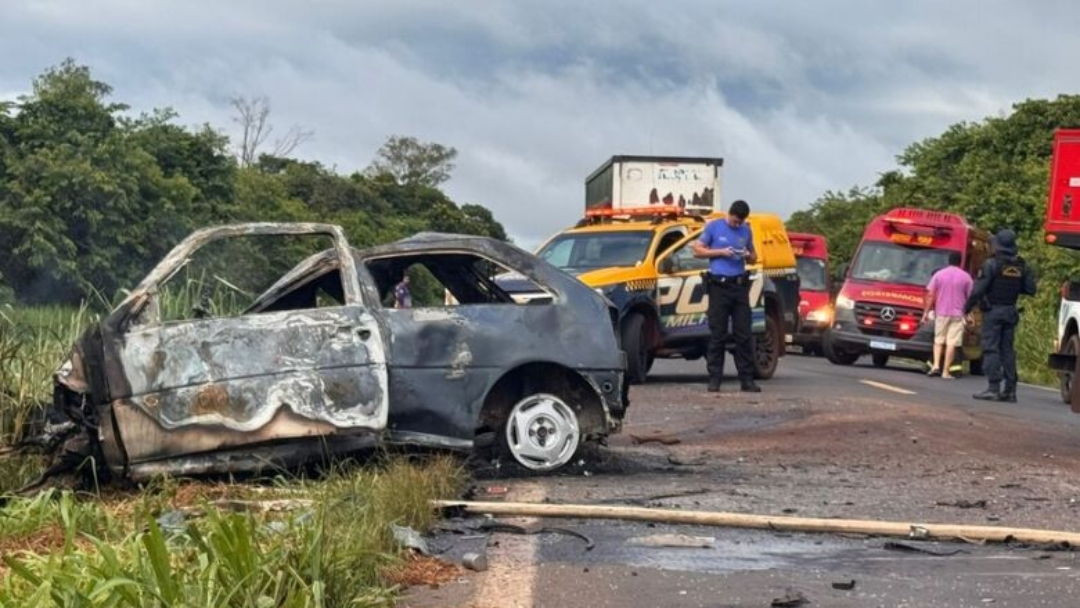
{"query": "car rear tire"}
(541, 432)
(767, 347)
(835, 355)
(1070, 347)
(879, 360)
(637, 349)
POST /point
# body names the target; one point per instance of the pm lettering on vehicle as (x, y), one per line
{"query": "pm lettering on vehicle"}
(681, 296)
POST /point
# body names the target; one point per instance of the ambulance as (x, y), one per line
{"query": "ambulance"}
(879, 308)
(815, 308)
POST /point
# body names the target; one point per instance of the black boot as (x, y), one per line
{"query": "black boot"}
(714, 385)
(990, 394)
(1008, 395)
(748, 386)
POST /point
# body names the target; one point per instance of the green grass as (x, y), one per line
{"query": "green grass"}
(33, 343)
(61, 551)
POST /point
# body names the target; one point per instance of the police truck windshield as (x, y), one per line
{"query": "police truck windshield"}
(892, 263)
(582, 252)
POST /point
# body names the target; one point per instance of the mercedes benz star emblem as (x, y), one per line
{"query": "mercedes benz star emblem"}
(888, 313)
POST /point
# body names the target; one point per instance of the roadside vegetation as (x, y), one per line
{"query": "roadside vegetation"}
(294, 543)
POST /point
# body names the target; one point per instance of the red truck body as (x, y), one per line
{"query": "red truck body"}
(1062, 226)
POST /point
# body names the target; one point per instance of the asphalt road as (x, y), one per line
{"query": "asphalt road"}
(820, 441)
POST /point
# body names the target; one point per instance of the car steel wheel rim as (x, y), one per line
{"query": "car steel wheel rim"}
(542, 432)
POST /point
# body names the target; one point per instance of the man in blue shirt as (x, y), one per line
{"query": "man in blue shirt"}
(728, 243)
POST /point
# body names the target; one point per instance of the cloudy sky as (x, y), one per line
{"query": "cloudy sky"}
(798, 97)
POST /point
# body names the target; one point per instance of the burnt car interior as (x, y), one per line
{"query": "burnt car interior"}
(469, 278)
(224, 278)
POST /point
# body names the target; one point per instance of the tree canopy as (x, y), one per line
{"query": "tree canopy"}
(91, 197)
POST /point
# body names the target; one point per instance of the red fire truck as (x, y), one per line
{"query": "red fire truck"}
(878, 310)
(815, 309)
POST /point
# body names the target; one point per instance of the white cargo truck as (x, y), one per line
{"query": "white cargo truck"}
(632, 185)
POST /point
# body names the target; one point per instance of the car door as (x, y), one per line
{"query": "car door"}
(683, 298)
(193, 385)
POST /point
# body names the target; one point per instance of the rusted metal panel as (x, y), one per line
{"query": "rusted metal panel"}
(239, 372)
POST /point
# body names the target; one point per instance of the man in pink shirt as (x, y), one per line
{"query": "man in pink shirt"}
(947, 292)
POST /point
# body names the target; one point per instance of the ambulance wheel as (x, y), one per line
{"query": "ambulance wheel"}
(879, 360)
(835, 355)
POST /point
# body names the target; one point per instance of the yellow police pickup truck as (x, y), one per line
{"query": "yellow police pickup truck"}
(641, 259)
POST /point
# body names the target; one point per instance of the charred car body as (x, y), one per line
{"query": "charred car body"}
(219, 374)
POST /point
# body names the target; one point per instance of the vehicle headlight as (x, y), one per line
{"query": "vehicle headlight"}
(845, 302)
(821, 315)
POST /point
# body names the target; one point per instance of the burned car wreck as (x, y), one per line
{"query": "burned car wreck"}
(257, 345)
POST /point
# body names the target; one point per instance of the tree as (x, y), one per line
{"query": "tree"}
(253, 117)
(411, 162)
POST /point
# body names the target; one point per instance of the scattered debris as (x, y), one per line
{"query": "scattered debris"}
(687, 462)
(410, 539)
(172, 521)
(844, 585)
(421, 570)
(895, 546)
(683, 541)
(661, 438)
(963, 504)
(475, 561)
(498, 526)
(791, 599)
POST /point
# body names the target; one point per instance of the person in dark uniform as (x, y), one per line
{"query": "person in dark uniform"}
(1002, 280)
(728, 243)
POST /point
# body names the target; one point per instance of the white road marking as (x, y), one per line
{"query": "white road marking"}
(1041, 388)
(887, 387)
(511, 573)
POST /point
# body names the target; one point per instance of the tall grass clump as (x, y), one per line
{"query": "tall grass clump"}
(33, 343)
(332, 552)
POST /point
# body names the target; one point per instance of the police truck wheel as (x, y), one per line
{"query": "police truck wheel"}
(879, 360)
(1070, 347)
(636, 347)
(767, 347)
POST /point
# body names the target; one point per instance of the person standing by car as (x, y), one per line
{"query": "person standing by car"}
(402, 295)
(728, 243)
(947, 292)
(1002, 280)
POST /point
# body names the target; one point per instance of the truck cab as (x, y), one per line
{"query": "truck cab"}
(879, 308)
(815, 289)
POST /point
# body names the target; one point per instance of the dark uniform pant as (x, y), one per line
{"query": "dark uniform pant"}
(999, 352)
(730, 301)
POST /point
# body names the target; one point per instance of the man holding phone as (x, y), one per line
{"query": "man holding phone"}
(728, 243)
